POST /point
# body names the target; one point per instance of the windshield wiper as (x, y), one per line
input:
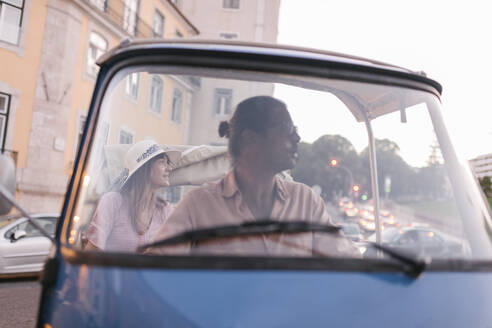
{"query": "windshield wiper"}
(414, 267)
(261, 227)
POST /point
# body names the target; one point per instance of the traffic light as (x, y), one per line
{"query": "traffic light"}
(355, 188)
(333, 162)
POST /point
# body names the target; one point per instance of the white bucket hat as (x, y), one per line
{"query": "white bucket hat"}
(143, 151)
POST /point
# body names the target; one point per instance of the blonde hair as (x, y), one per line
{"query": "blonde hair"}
(141, 198)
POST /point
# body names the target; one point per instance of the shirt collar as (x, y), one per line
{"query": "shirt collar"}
(229, 186)
(282, 192)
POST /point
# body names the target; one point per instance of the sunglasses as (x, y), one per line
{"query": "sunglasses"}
(286, 127)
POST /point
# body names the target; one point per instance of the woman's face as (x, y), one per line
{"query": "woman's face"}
(159, 172)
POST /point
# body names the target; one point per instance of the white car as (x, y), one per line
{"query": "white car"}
(422, 240)
(23, 249)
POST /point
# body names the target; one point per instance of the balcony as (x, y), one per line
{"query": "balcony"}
(123, 14)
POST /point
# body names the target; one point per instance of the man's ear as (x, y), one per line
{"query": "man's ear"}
(249, 137)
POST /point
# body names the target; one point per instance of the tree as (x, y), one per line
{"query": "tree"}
(486, 185)
(314, 167)
(390, 164)
(407, 183)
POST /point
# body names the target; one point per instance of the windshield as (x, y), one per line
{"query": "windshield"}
(178, 149)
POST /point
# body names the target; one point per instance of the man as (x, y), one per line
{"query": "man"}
(262, 143)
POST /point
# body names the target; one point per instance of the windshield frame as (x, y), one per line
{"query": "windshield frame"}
(254, 62)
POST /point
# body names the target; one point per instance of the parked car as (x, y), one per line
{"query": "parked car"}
(23, 249)
(352, 231)
(422, 242)
(296, 275)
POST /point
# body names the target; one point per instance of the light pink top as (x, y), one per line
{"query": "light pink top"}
(221, 203)
(111, 227)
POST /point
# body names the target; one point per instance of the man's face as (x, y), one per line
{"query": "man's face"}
(280, 146)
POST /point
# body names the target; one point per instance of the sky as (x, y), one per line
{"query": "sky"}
(449, 40)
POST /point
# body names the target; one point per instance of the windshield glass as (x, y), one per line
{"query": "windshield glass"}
(177, 149)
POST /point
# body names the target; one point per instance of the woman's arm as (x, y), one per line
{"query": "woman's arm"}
(101, 224)
(177, 222)
(91, 247)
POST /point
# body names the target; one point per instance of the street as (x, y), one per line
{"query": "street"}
(19, 302)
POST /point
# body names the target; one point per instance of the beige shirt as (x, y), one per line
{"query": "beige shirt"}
(221, 203)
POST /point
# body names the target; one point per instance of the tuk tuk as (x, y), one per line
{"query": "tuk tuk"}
(423, 254)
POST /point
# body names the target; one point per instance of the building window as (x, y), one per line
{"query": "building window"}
(178, 34)
(4, 117)
(230, 4)
(223, 101)
(97, 46)
(125, 137)
(173, 194)
(158, 25)
(132, 86)
(101, 139)
(177, 106)
(100, 4)
(80, 132)
(11, 12)
(228, 35)
(155, 102)
(130, 16)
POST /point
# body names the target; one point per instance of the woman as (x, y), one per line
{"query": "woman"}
(130, 217)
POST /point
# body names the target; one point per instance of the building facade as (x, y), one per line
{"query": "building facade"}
(48, 51)
(482, 166)
(240, 20)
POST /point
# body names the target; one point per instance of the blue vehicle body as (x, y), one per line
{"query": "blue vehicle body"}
(83, 289)
(246, 298)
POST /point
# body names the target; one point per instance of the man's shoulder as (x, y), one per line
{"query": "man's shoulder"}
(300, 190)
(295, 186)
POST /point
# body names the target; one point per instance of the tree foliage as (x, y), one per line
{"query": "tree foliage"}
(313, 168)
(486, 185)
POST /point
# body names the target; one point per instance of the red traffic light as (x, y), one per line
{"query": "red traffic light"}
(355, 188)
(333, 162)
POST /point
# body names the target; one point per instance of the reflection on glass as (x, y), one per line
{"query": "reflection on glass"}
(182, 109)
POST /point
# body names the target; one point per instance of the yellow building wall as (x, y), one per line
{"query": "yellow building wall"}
(21, 72)
(171, 23)
(149, 124)
(83, 86)
(136, 117)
